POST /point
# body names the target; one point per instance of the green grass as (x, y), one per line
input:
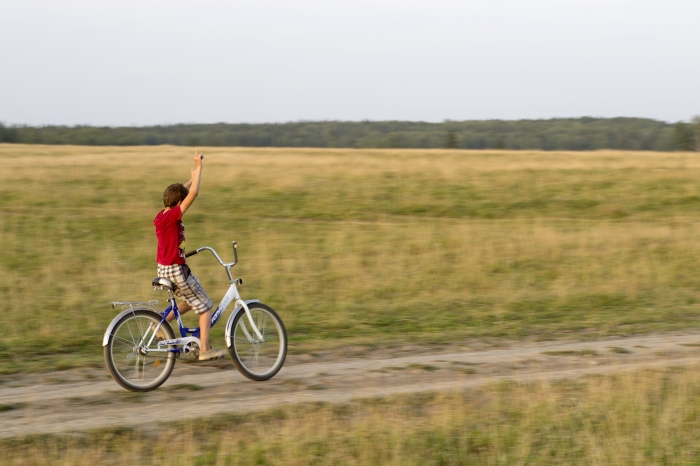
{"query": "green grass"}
(354, 247)
(584, 352)
(9, 407)
(423, 367)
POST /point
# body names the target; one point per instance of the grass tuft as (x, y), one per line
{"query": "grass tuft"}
(584, 352)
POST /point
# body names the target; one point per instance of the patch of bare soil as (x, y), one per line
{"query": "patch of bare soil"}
(85, 399)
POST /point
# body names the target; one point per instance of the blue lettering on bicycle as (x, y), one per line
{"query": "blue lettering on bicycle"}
(218, 312)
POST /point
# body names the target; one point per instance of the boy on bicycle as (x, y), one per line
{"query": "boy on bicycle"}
(170, 232)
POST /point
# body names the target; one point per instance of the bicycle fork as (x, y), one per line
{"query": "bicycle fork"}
(242, 303)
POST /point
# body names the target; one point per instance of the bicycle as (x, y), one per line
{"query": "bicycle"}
(140, 348)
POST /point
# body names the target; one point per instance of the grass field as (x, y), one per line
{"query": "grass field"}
(354, 247)
(652, 417)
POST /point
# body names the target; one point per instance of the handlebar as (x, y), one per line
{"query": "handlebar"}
(228, 266)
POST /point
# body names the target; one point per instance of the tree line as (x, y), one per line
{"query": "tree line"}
(552, 134)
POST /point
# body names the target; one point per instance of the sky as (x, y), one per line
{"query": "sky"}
(147, 62)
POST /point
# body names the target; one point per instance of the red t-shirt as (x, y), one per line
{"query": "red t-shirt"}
(171, 236)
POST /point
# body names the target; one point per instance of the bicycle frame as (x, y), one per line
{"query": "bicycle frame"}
(232, 295)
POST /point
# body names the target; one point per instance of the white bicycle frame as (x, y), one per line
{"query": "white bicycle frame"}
(231, 295)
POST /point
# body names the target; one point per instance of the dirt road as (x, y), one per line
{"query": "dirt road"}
(80, 400)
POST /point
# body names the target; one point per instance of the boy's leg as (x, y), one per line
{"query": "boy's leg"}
(196, 299)
(207, 352)
(204, 327)
(181, 308)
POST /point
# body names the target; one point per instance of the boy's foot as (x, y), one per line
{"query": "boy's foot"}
(213, 353)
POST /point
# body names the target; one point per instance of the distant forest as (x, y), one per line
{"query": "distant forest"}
(553, 134)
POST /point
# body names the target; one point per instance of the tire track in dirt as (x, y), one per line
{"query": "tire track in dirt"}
(87, 399)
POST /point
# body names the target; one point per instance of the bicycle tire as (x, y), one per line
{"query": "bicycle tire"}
(119, 358)
(258, 361)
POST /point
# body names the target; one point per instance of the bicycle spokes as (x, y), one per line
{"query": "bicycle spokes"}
(258, 356)
(134, 353)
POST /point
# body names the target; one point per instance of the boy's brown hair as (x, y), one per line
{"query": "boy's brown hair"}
(174, 194)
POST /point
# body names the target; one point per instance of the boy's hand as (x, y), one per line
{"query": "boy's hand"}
(198, 156)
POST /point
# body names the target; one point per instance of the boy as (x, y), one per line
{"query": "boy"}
(170, 231)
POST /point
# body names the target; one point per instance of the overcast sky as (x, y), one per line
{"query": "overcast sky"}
(145, 62)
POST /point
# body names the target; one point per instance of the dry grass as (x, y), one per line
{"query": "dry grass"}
(650, 417)
(355, 246)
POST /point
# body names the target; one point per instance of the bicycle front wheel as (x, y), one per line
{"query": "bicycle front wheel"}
(134, 365)
(254, 358)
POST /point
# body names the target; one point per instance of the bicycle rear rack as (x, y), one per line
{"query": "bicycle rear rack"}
(126, 305)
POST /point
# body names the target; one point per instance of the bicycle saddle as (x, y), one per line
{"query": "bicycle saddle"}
(160, 282)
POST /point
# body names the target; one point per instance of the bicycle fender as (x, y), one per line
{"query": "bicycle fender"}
(113, 324)
(233, 316)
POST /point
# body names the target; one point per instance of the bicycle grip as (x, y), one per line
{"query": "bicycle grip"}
(191, 253)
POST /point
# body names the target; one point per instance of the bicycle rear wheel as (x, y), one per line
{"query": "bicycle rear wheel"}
(129, 361)
(255, 359)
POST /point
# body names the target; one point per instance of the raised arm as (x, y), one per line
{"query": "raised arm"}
(194, 184)
(189, 183)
